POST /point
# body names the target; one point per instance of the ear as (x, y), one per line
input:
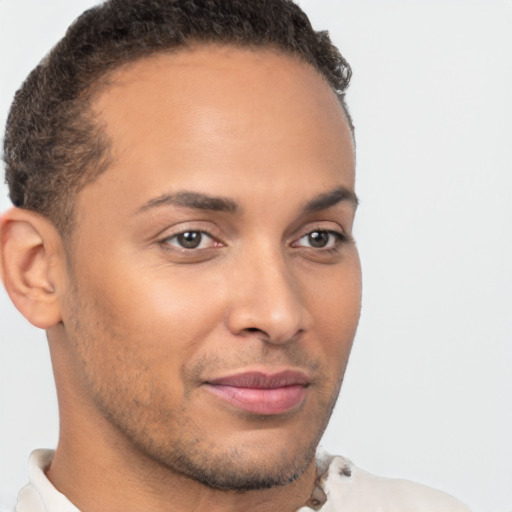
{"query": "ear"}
(32, 261)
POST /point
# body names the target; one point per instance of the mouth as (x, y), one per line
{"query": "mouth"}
(262, 393)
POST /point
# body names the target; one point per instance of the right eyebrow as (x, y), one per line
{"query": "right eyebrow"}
(195, 200)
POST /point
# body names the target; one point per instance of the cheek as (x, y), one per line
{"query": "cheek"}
(134, 333)
(337, 297)
(155, 314)
(336, 310)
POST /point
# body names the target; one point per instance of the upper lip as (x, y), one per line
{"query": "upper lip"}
(262, 380)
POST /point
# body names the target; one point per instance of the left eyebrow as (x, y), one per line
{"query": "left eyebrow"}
(331, 198)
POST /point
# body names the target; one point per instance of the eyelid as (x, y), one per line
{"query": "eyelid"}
(327, 226)
(203, 226)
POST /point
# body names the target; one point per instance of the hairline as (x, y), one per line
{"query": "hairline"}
(97, 129)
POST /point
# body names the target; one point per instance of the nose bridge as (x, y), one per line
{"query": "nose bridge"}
(268, 299)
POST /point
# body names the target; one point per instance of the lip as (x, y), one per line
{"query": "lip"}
(262, 393)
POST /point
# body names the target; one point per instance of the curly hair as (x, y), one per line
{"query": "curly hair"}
(53, 146)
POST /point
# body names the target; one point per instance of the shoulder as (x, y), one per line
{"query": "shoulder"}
(350, 487)
(39, 495)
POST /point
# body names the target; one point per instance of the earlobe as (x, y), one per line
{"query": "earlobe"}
(31, 256)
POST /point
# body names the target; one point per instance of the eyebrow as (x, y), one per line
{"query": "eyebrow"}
(194, 200)
(331, 198)
(199, 201)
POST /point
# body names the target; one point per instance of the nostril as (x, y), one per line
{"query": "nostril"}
(254, 330)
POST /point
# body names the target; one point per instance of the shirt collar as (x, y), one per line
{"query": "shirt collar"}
(40, 495)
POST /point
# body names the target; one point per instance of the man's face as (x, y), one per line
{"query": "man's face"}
(215, 289)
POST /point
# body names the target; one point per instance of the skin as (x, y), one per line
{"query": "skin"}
(138, 325)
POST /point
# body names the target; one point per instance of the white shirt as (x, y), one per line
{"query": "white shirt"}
(342, 487)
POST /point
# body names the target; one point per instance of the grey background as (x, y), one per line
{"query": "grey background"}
(428, 391)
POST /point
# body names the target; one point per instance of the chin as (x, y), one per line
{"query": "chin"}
(240, 471)
(251, 460)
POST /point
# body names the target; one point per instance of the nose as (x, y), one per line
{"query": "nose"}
(267, 302)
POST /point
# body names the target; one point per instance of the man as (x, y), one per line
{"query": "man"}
(183, 180)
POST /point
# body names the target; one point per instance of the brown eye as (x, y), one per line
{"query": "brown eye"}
(319, 239)
(190, 239)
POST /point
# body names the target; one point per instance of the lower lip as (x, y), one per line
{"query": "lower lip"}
(261, 401)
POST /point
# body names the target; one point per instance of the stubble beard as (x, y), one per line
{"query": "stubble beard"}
(228, 468)
(217, 466)
(151, 428)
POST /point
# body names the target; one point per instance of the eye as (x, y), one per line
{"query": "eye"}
(191, 240)
(320, 239)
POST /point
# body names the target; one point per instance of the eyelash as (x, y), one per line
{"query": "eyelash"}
(339, 239)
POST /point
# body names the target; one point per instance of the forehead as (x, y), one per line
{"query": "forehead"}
(212, 115)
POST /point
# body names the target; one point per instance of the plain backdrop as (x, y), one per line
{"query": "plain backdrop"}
(427, 395)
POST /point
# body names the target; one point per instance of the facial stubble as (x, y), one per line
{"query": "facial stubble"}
(127, 396)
